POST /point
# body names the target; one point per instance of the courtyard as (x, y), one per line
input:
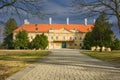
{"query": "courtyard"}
(68, 64)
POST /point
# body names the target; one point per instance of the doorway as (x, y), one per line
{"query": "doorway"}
(63, 44)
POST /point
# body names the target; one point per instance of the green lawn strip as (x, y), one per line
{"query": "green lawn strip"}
(14, 61)
(25, 56)
(113, 56)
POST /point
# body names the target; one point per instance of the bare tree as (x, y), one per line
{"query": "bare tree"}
(20, 7)
(111, 7)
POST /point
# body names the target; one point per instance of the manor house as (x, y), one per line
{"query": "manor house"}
(59, 35)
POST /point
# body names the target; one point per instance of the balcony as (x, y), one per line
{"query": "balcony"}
(68, 41)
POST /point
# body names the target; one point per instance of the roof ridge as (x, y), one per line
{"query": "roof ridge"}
(46, 27)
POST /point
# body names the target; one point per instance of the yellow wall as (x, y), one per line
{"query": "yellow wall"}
(56, 37)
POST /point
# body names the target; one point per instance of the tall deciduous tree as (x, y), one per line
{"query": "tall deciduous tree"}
(21, 40)
(116, 44)
(10, 26)
(101, 35)
(92, 7)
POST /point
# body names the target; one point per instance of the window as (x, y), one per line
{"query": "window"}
(51, 44)
(64, 38)
(80, 38)
(70, 44)
(70, 38)
(36, 29)
(75, 38)
(80, 44)
(75, 44)
(52, 37)
(31, 37)
(56, 37)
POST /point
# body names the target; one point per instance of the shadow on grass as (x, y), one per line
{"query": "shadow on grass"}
(76, 60)
(23, 56)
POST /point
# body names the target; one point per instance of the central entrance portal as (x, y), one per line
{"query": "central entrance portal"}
(63, 44)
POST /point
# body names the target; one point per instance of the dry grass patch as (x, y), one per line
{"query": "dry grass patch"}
(12, 61)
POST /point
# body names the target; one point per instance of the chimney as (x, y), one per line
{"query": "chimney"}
(94, 21)
(67, 19)
(26, 21)
(50, 20)
(85, 21)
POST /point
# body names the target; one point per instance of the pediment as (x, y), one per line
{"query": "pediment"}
(62, 30)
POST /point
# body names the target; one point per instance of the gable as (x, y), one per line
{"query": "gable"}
(62, 30)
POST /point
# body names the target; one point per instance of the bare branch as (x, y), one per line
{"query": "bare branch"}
(111, 7)
(31, 7)
(5, 3)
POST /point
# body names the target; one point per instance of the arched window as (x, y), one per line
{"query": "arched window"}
(80, 44)
(80, 38)
(56, 37)
(70, 38)
(75, 38)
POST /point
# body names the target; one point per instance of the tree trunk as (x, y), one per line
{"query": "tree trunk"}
(119, 24)
(118, 18)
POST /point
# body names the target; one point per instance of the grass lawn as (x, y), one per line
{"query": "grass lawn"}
(12, 61)
(113, 56)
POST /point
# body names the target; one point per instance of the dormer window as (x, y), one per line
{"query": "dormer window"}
(36, 29)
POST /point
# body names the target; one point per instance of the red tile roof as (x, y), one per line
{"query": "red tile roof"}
(47, 27)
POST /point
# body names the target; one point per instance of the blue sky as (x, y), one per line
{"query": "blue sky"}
(59, 10)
